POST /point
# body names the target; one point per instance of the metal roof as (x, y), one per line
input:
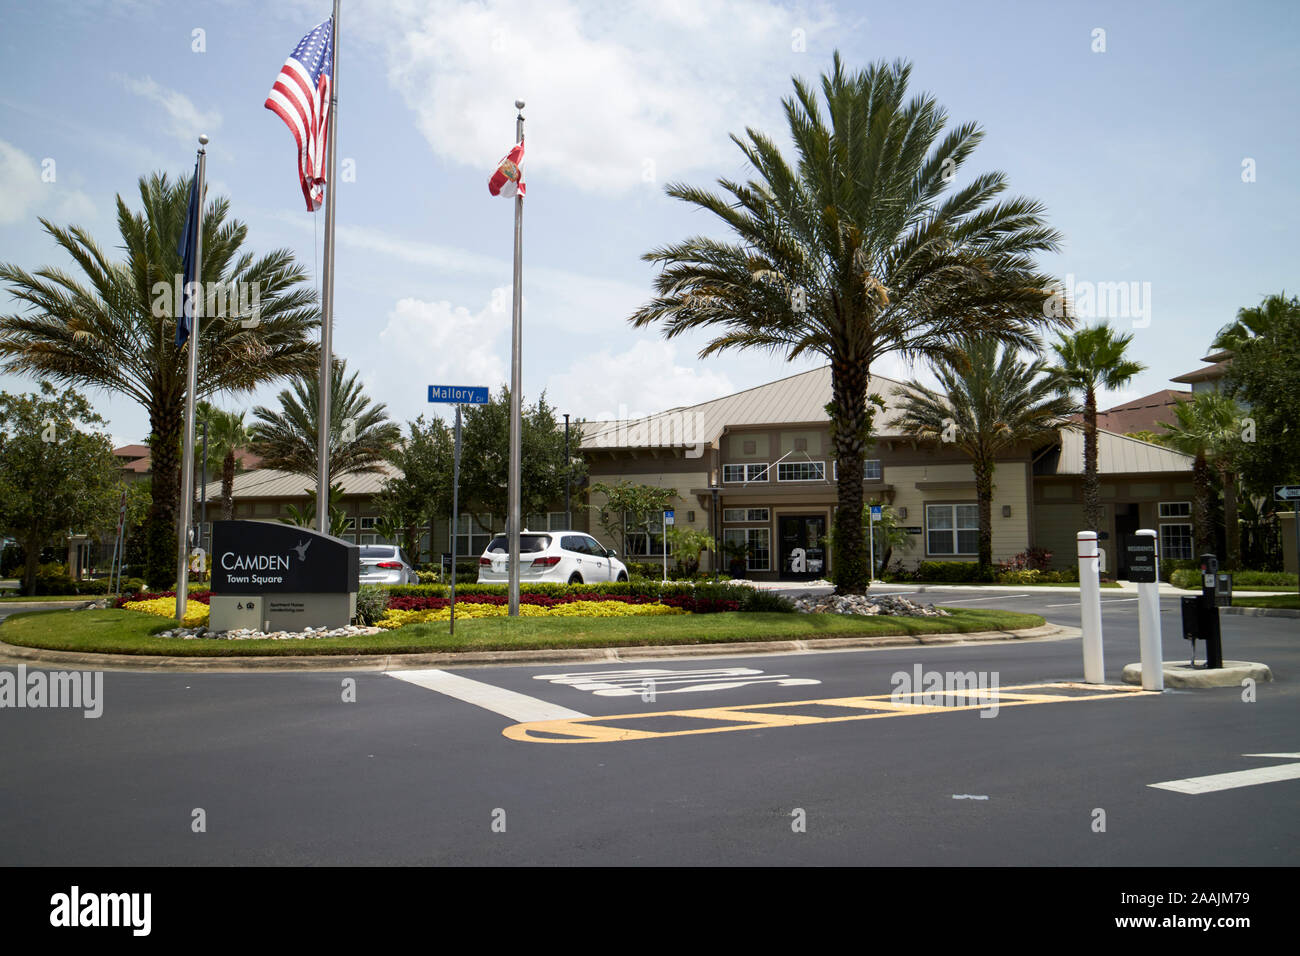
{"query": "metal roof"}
(1117, 454)
(270, 483)
(797, 398)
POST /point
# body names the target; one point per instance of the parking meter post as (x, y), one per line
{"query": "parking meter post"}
(1094, 668)
(1210, 611)
(1153, 665)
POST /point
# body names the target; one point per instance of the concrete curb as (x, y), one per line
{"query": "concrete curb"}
(1262, 611)
(31, 656)
(1181, 674)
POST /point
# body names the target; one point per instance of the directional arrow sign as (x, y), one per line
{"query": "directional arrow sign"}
(1238, 778)
(1286, 492)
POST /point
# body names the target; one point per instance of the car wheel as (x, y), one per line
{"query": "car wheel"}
(622, 577)
(575, 578)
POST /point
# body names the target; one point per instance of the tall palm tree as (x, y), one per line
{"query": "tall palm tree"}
(1088, 359)
(112, 326)
(227, 436)
(1208, 428)
(1256, 321)
(361, 436)
(859, 248)
(989, 401)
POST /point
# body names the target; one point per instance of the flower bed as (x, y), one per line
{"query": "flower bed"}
(689, 603)
(196, 612)
(203, 597)
(467, 610)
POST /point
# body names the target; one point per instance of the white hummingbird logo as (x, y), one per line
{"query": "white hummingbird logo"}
(301, 547)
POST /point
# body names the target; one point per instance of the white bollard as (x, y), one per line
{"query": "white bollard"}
(1094, 667)
(1153, 663)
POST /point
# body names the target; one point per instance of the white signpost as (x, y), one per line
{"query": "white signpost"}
(871, 539)
(1291, 493)
(1094, 668)
(1153, 665)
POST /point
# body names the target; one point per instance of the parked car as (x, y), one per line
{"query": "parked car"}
(386, 564)
(571, 557)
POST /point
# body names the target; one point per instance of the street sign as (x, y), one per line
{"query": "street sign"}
(1140, 551)
(1286, 492)
(459, 394)
(669, 517)
(875, 511)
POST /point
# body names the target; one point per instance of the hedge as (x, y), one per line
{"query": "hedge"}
(1190, 579)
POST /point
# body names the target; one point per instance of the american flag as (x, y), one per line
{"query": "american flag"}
(301, 97)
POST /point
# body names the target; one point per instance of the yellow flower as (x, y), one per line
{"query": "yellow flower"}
(196, 613)
(394, 619)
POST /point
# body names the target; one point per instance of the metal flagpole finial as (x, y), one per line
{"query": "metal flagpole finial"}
(519, 104)
(203, 139)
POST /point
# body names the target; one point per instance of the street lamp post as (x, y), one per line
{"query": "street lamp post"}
(568, 514)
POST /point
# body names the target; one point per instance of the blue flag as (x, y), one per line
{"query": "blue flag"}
(186, 250)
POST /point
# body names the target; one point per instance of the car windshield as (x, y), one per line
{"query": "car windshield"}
(527, 543)
(372, 551)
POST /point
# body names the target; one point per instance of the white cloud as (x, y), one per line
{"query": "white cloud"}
(187, 120)
(436, 342)
(615, 93)
(25, 194)
(640, 381)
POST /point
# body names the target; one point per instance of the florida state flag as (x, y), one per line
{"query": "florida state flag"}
(508, 180)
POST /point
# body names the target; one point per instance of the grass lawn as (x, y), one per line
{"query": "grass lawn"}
(132, 632)
(42, 598)
(1276, 600)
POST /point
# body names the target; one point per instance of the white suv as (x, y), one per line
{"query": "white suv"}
(571, 557)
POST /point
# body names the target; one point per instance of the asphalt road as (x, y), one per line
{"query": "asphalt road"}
(286, 772)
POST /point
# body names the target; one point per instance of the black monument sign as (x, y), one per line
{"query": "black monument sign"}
(270, 557)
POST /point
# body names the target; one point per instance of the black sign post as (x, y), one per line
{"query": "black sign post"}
(1210, 611)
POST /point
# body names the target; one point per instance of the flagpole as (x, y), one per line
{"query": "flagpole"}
(327, 297)
(191, 378)
(516, 384)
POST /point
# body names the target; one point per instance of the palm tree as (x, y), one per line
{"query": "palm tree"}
(858, 249)
(361, 436)
(1208, 429)
(1256, 321)
(1088, 359)
(227, 436)
(305, 516)
(113, 327)
(989, 401)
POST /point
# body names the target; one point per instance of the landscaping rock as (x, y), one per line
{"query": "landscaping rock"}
(882, 604)
(246, 634)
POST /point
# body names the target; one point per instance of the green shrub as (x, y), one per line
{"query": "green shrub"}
(372, 601)
(1281, 580)
(948, 571)
(93, 586)
(54, 579)
(759, 599)
(1021, 576)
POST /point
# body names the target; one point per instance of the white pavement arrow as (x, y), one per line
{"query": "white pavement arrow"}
(1238, 778)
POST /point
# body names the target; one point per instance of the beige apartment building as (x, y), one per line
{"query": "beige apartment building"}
(758, 468)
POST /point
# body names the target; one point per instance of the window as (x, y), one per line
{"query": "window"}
(472, 536)
(758, 543)
(1175, 541)
(557, 521)
(744, 514)
(744, 473)
(535, 522)
(368, 524)
(528, 543)
(1175, 509)
(801, 471)
(871, 470)
(952, 529)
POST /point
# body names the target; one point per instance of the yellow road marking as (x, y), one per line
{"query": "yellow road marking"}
(755, 716)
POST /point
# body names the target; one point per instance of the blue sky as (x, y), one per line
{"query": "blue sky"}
(1137, 152)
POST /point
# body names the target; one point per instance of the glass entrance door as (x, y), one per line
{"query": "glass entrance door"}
(803, 546)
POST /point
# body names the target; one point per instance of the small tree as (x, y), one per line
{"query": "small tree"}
(688, 544)
(628, 505)
(485, 457)
(422, 493)
(305, 517)
(887, 533)
(55, 476)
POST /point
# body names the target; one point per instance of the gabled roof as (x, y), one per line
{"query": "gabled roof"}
(795, 399)
(1116, 454)
(271, 483)
(1141, 414)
